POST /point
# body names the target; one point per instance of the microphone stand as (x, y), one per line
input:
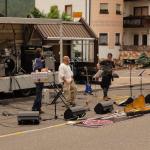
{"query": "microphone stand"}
(130, 68)
(141, 83)
(58, 90)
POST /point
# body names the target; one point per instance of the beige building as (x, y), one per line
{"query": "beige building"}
(106, 19)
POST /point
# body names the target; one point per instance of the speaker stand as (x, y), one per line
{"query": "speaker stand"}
(59, 94)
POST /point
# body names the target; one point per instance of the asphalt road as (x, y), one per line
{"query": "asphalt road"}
(57, 135)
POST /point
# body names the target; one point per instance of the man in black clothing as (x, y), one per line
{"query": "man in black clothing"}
(107, 67)
(38, 66)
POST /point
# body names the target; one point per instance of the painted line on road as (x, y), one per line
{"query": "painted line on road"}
(30, 131)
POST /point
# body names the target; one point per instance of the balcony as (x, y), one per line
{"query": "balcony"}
(135, 48)
(132, 0)
(136, 21)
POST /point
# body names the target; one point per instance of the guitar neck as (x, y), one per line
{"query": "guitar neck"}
(87, 76)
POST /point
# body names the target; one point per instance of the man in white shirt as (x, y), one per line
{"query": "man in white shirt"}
(65, 77)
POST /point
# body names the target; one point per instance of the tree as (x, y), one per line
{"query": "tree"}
(17, 8)
(37, 13)
(143, 60)
(54, 12)
(66, 17)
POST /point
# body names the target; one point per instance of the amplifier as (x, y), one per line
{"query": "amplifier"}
(2, 70)
(28, 117)
(46, 96)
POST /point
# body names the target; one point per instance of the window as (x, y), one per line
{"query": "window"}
(103, 39)
(83, 51)
(117, 42)
(104, 8)
(144, 39)
(118, 9)
(136, 39)
(141, 11)
(68, 9)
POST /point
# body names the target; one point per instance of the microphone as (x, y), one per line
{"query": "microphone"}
(141, 73)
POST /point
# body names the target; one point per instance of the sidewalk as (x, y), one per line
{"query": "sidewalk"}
(124, 79)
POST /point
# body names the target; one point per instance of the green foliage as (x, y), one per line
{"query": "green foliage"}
(36, 13)
(54, 12)
(17, 8)
(66, 17)
(143, 60)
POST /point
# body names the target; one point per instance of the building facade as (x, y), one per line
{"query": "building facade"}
(107, 22)
(74, 8)
(136, 37)
(104, 16)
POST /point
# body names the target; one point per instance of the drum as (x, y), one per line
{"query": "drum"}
(9, 66)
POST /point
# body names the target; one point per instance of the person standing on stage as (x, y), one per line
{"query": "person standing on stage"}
(66, 79)
(38, 65)
(107, 67)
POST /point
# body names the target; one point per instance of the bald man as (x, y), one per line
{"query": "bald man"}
(65, 77)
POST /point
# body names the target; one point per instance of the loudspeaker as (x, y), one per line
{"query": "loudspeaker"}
(147, 98)
(28, 117)
(127, 101)
(74, 113)
(104, 107)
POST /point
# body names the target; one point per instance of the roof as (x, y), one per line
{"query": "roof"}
(69, 31)
(17, 20)
(53, 29)
(66, 31)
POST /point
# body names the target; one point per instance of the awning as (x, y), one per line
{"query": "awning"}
(66, 31)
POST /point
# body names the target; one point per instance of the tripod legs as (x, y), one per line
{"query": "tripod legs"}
(61, 96)
(55, 112)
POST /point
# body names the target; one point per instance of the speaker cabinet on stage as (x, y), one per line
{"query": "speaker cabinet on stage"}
(75, 113)
(147, 99)
(28, 117)
(104, 107)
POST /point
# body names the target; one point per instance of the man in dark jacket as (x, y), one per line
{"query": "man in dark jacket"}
(37, 66)
(107, 70)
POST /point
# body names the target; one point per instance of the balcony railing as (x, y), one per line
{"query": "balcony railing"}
(132, 0)
(135, 21)
(135, 48)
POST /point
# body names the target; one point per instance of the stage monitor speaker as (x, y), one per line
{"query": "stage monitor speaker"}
(28, 117)
(104, 107)
(126, 102)
(75, 112)
(147, 99)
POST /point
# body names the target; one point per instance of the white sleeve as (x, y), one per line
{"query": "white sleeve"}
(61, 72)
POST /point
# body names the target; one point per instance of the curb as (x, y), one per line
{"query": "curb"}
(119, 86)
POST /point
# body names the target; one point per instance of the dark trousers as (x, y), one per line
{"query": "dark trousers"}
(105, 91)
(37, 102)
(106, 82)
